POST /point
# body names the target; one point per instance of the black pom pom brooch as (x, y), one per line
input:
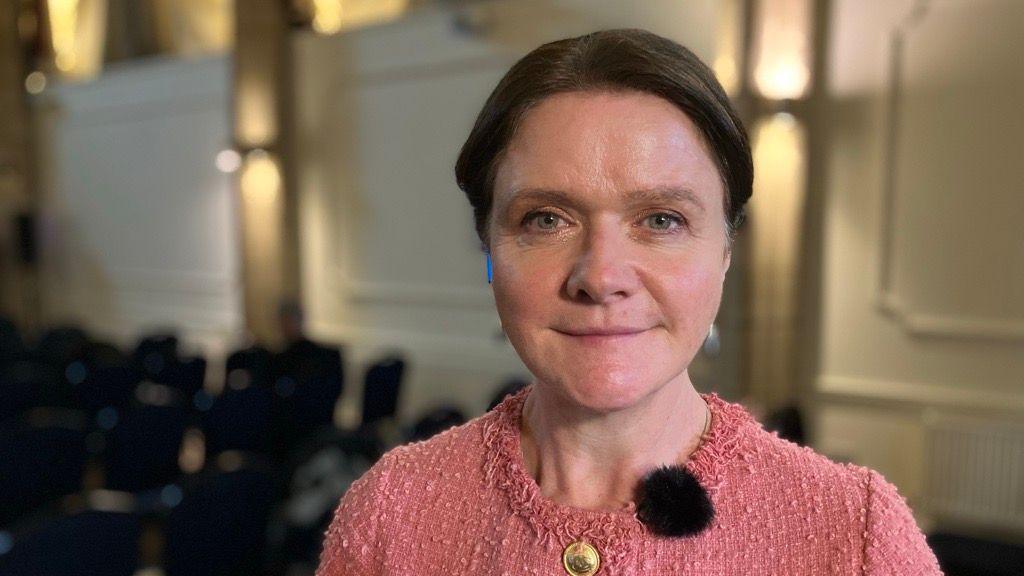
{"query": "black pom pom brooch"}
(670, 502)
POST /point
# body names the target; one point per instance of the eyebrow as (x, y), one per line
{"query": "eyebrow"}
(667, 194)
(657, 194)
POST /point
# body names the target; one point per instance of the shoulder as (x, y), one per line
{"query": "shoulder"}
(384, 498)
(893, 542)
(781, 458)
(804, 477)
(441, 453)
(855, 500)
(742, 448)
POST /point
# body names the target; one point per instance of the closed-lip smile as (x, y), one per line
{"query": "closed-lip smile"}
(610, 331)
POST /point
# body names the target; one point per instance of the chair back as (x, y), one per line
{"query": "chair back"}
(44, 458)
(219, 528)
(144, 445)
(83, 544)
(239, 420)
(12, 345)
(155, 353)
(381, 388)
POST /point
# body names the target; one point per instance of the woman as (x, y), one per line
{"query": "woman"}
(608, 175)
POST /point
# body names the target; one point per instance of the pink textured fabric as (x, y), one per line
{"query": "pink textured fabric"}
(463, 503)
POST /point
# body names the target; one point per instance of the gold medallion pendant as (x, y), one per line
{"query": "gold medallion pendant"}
(580, 559)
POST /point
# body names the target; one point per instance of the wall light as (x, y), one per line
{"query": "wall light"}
(228, 161)
(35, 82)
(261, 177)
(78, 32)
(728, 42)
(781, 48)
(331, 16)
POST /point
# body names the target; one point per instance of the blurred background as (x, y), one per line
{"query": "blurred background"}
(235, 267)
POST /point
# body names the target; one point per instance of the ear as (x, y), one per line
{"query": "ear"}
(727, 261)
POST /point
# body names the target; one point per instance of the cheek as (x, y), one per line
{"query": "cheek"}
(689, 296)
(524, 292)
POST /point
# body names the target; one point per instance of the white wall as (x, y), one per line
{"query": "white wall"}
(389, 252)
(138, 224)
(923, 307)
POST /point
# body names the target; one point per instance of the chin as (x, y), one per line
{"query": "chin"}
(605, 391)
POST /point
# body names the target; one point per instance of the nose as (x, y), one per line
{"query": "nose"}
(601, 271)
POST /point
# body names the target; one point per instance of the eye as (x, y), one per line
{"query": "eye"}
(663, 221)
(547, 221)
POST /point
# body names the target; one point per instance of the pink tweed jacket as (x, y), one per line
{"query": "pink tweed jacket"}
(463, 503)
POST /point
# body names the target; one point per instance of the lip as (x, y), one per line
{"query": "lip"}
(603, 332)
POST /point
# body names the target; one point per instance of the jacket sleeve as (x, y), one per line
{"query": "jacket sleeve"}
(893, 543)
(352, 543)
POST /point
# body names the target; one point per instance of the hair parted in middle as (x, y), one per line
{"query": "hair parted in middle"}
(609, 60)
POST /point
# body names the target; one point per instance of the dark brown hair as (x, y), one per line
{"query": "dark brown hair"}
(617, 60)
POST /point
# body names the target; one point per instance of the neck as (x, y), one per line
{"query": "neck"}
(595, 461)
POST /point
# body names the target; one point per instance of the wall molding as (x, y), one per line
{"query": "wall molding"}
(948, 325)
(160, 80)
(917, 394)
(918, 323)
(409, 294)
(190, 301)
(444, 350)
(156, 280)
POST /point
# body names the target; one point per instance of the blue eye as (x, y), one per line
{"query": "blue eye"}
(543, 220)
(663, 221)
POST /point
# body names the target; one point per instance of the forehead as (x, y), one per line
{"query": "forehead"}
(607, 145)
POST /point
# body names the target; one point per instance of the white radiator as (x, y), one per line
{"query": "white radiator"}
(974, 470)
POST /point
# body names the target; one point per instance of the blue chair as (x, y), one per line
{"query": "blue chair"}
(220, 526)
(381, 388)
(143, 447)
(434, 422)
(307, 380)
(12, 346)
(186, 374)
(84, 544)
(155, 353)
(239, 420)
(102, 378)
(255, 361)
(511, 386)
(318, 474)
(43, 458)
(60, 345)
(27, 384)
(961, 555)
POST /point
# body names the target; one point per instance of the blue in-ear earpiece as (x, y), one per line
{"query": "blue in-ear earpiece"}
(490, 273)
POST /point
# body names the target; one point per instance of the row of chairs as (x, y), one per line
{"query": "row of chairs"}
(125, 433)
(83, 422)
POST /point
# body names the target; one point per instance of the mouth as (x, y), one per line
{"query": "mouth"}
(603, 335)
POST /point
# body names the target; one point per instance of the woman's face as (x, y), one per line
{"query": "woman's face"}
(608, 242)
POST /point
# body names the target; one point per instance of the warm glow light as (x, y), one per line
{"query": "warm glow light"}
(327, 16)
(255, 114)
(777, 203)
(782, 48)
(261, 177)
(63, 20)
(776, 235)
(193, 27)
(725, 70)
(78, 35)
(228, 161)
(330, 16)
(65, 61)
(35, 82)
(192, 455)
(727, 44)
